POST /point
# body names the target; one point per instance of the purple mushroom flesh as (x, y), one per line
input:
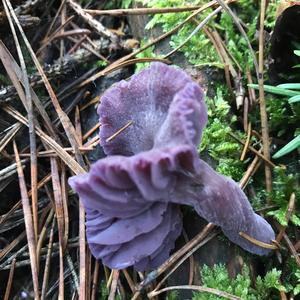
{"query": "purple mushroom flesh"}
(132, 196)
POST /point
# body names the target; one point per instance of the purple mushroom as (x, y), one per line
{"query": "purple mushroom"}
(132, 196)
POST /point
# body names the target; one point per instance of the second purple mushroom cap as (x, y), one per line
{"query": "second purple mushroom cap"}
(132, 196)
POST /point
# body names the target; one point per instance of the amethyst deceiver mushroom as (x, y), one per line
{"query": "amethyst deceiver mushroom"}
(132, 196)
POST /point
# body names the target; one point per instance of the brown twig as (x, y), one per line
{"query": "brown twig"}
(246, 145)
(290, 210)
(95, 281)
(47, 263)
(257, 242)
(59, 213)
(28, 225)
(187, 247)
(254, 151)
(68, 159)
(196, 288)
(82, 245)
(262, 102)
(10, 135)
(186, 256)
(114, 283)
(250, 171)
(109, 139)
(10, 280)
(96, 25)
(139, 11)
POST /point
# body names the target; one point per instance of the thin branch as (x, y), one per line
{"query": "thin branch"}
(139, 11)
(202, 289)
(28, 226)
(262, 102)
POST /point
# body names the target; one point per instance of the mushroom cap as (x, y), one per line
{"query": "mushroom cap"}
(165, 105)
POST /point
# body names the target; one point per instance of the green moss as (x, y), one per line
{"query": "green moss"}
(216, 140)
(284, 184)
(241, 286)
(149, 53)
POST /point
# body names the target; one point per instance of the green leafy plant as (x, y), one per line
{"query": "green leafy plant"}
(149, 52)
(217, 277)
(287, 89)
(283, 186)
(216, 140)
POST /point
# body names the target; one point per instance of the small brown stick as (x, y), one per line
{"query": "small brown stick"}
(71, 33)
(52, 37)
(254, 151)
(64, 195)
(250, 171)
(114, 283)
(91, 131)
(109, 139)
(129, 280)
(59, 213)
(196, 288)
(292, 248)
(283, 295)
(62, 4)
(191, 259)
(246, 145)
(99, 28)
(216, 40)
(47, 263)
(51, 153)
(297, 246)
(187, 247)
(82, 238)
(139, 11)
(90, 49)
(68, 159)
(77, 45)
(63, 17)
(257, 242)
(93, 101)
(12, 245)
(93, 142)
(32, 135)
(246, 105)
(95, 281)
(251, 91)
(10, 280)
(262, 102)
(10, 135)
(43, 234)
(28, 225)
(290, 210)
(11, 169)
(187, 255)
